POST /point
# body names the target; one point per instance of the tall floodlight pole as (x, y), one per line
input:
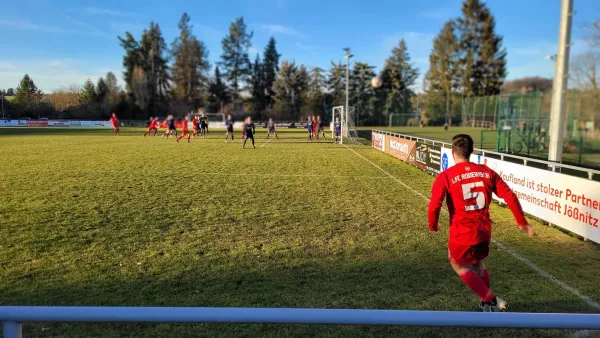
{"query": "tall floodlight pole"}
(2, 99)
(559, 86)
(346, 115)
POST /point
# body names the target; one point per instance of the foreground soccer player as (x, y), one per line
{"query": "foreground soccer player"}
(249, 132)
(115, 123)
(184, 130)
(170, 127)
(152, 126)
(271, 127)
(468, 187)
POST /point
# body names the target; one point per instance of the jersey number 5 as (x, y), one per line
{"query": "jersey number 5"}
(468, 194)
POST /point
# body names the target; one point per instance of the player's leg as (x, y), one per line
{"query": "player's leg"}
(473, 281)
(188, 135)
(276, 136)
(147, 131)
(268, 133)
(244, 144)
(252, 137)
(155, 131)
(481, 270)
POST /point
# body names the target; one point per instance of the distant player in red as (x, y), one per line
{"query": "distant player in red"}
(153, 126)
(184, 131)
(467, 188)
(314, 127)
(115, 123)
(195, 125)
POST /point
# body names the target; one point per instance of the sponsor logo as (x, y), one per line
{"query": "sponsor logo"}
(445, 161)
(421, 154)
(379, 141)
(399, 146)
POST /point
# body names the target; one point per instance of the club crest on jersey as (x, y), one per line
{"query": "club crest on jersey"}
(467, 168)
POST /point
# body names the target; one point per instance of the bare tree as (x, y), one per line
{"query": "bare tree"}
(585, 70)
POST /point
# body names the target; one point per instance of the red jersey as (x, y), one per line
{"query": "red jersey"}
(184, 127)
(468, 189)
(115, 121)
(153, 124)
(195, 123)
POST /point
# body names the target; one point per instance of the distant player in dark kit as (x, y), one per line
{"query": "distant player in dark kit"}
(320, 127)
(184, 130)
(271, 126)
(153, 126)
(170, 127)
(229, 128)
(115, 123)
(202, 125)
(309, 127)
(206, 124)
(337, 126)
(195, 125)
(249, 131)
(468, 188)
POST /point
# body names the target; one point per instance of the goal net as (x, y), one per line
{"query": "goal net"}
(347, 120)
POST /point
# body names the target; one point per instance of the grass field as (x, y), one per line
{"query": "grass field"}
(87, 218)
(488, 141)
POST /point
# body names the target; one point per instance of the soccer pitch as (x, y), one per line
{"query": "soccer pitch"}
(87, 218)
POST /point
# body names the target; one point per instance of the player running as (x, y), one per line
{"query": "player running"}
(320, 127)
(152, 126)
(468, 187)
(115, 123)
(337, 129)
(184, 131)
(271, 126)
(229, 128)
(195, 126)
(249, 131)
(170, 127)
(309, 127)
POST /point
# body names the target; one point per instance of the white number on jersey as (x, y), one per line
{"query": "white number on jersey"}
(468, 194)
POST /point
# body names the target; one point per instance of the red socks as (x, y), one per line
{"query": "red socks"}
(486, 278)
(477, 285)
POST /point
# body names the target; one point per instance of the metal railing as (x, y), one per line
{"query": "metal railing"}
(12, 317)
(571, 169)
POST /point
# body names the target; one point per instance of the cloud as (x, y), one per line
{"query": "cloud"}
(107, 12)
(440, 13)
(305, 47)
(281, 29)
(26, 25)
(50, 74)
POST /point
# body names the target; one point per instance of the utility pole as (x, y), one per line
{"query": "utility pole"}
(2, 99)
(559, 87)
(347, 113)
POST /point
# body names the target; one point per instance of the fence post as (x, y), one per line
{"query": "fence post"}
(12, 330)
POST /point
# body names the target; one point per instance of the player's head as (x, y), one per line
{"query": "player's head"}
(114, 115)
(319, 117)
(462, 147)
(270, 119)
(337, 119)
(185, 118)
(249, 119)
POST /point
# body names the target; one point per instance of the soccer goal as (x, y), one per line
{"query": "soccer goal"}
(346, 117)
(215, 120)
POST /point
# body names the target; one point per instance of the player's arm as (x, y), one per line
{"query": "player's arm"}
(502, 190)
(438, 193)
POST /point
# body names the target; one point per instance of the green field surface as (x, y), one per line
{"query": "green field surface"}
(88, 218)
(488, 141)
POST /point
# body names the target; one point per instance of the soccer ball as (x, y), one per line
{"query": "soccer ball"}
(376, 82)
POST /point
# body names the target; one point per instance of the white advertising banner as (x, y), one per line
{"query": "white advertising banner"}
(572, 203)
(378, 141)
(58, 123)
(447, 160)
(10, 123)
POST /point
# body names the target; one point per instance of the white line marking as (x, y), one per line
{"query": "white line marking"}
(264, 144)
(290, 175)
(527, 262)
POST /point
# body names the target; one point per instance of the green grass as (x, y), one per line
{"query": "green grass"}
(9, 98)
(87, 218)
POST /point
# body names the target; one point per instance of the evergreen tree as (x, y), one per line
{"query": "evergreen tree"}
(27, 93)
(10, 92)
(191, 65)
(88, 93)
(154, 63)
(234, 59)
(111, 83)
(443, 76)
(398, 76)
(101, 91)
(361, 91)
(218, 93)
(481, 55)
(289, 88)
(336, 85)
(315, 99)
(131, 59)
(270, 69)
(258, 89)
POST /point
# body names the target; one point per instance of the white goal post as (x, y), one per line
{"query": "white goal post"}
(346, 117)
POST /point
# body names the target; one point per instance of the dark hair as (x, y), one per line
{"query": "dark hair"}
(462, 144)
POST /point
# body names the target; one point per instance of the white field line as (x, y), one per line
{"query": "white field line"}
(527, 262)
(264, 144)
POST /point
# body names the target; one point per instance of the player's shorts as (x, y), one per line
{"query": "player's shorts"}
(310, 130)
(230, 129)
(249, 135)
(468, 254)
(337, 133)
(271, 130)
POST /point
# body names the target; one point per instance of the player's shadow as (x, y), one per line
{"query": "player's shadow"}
(337, 282)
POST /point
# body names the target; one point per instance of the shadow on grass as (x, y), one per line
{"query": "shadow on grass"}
(335, 284)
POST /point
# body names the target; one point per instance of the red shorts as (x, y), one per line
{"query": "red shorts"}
(468, 254)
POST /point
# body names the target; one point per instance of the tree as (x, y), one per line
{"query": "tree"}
(234, 60)
(481, 55)
(88, 93)
(336, 84)
(154, 63)
(101, 91)
(258, 88)
(289, 88)
(139, 87)
(65, 98)
(10, 92)
(314, 102)
(112, 83)
(527, 84)
(442, 76)
(191, 65)
(361, 91)
(398, 77)
(218, 93)
(27, 93)
(131, 59)
(270, 69)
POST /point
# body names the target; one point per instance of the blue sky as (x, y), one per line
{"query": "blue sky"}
(63, 42)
